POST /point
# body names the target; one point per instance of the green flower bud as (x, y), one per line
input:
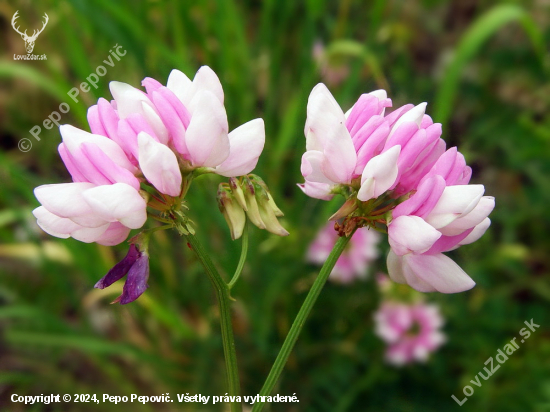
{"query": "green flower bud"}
(270, 219)
(268, 212)
(347, 208)
(253, 211)
(238, 192)
(232, 212)
(259, 181)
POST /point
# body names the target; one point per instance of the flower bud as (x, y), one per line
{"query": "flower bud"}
(347, 208)
(252, 212)
(232, 211)
(270, 219)
(266, 206)
(257, 179)
(237, 192)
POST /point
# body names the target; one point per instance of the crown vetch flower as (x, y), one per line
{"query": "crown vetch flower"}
(393, 170)
(363, 148)
(411, 331)
(144, 149)
(152, 139)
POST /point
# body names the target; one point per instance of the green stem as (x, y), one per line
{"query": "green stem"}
(222, 294)
(298, 323)
(244, 252)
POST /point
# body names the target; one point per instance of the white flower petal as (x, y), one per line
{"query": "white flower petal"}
(159, 165)
(206, 136)
(119, 202)
(408, 234)
(379, 174)
(246, 143)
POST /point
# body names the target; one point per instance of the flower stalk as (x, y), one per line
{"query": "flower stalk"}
(300, 320)
(224, 304)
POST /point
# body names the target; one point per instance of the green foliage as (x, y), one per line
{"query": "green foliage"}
(483, 69)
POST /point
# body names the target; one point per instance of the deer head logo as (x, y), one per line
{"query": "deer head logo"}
(29, 40)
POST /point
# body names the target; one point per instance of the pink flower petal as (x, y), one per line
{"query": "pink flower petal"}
(454, 202)
(206, 136)
(477, 232)
(64, 199)
(408, 234)
(323, 114)
(180, 84)
(53, 224)
(475, 217)
(115, 234)
(340, 156)
(246, 143)
(118, 202)
(379, 174)
(159, 165)
(440, 272)
(317, 190)
(113, 172)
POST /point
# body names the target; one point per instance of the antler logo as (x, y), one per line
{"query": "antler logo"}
(29, 40)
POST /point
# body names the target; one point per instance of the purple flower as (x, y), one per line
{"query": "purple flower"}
(136, 265)
(411, 331)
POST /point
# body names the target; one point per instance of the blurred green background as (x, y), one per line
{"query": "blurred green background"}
(483, 68)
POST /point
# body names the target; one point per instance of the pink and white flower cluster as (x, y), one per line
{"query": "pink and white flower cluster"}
(354, 262)
(143, 139)
(412, 331)
(397, 161)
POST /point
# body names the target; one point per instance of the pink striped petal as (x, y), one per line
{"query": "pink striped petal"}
(151, 85)
(95, 122)
(70, 164)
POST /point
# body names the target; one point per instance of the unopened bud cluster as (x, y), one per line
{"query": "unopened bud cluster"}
(249, 197)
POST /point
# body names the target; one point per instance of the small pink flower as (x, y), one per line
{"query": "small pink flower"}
(393, 169)
(385, 152)
(141, 138)
(142, 148)
(356, 259)
(411, 331)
